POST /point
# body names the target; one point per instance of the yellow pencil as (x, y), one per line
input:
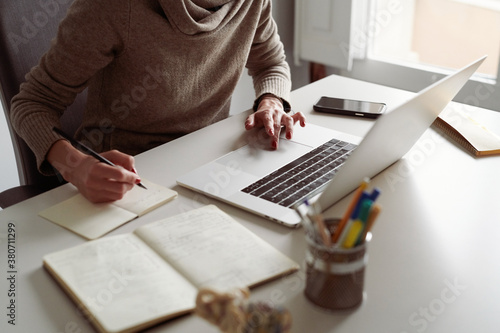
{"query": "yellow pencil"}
(355, 230)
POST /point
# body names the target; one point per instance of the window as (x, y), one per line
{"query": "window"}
(444, 33)
(409, 44)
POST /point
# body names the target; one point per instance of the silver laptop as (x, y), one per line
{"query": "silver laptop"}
(318, 162)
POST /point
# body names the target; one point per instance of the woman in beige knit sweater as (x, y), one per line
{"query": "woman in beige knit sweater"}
(155, 70)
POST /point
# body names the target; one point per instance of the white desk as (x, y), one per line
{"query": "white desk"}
(433, 264)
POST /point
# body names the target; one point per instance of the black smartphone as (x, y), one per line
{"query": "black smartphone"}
(349, 107)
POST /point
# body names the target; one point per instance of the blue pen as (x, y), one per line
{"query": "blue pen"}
(375, 193)
(355, 212)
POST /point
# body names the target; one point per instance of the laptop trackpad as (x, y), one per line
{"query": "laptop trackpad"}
(260, 162)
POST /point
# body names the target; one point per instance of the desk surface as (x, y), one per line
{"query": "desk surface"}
(433, 263)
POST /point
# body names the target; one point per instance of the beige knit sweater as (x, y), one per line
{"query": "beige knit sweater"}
(155, 70)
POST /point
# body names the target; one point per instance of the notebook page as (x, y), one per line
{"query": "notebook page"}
(141, 201)
(92, 221)
(122, 282)
(212, 249)
(87, 219)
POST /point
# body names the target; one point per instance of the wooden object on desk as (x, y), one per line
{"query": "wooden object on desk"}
(316, 72)
(129, 282)
(92, 221)
(233, 312)
(467, 132)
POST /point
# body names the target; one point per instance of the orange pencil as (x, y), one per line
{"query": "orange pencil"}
(350, 209)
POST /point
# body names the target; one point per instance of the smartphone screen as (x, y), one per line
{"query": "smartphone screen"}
(349, 107)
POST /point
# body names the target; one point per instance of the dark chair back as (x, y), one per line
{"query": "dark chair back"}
(26, 30)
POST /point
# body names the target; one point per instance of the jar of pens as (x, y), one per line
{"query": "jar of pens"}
(336, 252)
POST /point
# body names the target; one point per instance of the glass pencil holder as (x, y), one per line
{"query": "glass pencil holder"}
(334, 275)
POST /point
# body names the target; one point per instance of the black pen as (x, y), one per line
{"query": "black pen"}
(87, 150)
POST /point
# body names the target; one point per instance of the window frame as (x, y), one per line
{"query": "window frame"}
(481, 90)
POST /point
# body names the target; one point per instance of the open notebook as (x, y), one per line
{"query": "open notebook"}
(129, 282)
(91, 220)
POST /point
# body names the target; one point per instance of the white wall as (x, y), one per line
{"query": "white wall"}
(8, 169)
(283, 12)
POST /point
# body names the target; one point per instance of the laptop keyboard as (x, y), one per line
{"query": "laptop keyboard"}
(304, 176)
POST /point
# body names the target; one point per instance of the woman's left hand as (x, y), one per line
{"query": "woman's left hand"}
(272, 117)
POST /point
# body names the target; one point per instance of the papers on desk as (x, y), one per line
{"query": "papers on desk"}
(468, 132)
(129, 282)
(91, 221)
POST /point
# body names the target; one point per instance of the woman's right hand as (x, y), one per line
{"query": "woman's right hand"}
(96, 181)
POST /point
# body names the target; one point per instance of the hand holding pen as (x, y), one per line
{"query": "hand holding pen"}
(99, 177)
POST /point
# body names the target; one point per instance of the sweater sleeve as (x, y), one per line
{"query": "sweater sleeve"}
(88, 38)
(267, 62)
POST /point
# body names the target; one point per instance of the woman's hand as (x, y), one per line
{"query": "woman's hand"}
(96, 181)
(272, 117)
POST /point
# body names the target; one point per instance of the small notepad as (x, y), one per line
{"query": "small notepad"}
(92, 221)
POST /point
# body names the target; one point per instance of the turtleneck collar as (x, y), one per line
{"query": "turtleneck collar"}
(192, 17)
